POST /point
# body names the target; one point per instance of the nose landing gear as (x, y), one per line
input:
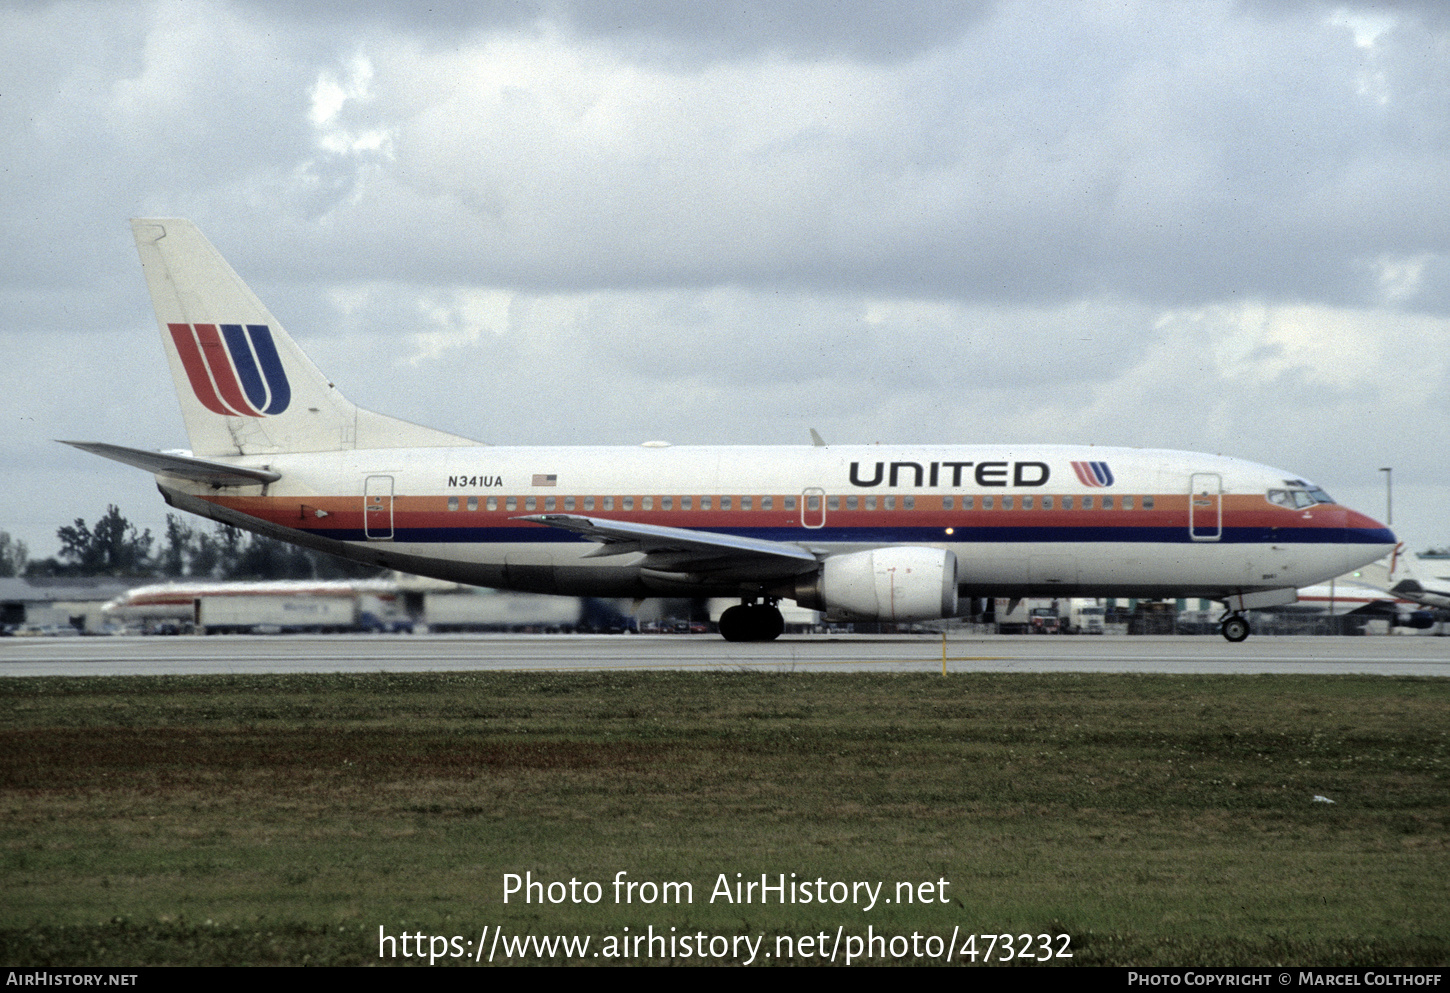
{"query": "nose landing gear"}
(751, 621)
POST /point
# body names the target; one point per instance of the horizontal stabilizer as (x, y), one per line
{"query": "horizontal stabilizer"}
(180, 466)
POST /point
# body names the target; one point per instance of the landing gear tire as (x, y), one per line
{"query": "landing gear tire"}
(751, 622)
(1235, 629)
(772, 624)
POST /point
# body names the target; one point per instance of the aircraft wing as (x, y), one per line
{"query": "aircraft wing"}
(682, 550)
(1410, 589)
(184, 467)
(1401, 577)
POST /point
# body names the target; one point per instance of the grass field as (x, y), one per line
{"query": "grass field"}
(1153, 819)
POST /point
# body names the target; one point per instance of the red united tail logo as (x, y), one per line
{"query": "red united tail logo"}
(234, 369)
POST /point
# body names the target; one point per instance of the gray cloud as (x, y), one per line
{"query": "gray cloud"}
(1219, 228)
(669, 31)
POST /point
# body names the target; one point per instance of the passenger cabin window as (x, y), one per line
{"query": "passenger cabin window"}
(967, 502)
(833, 503)
(724, 503)
(852, 502)
(473, 503)
(588, 503)
(988, 502)
(648, 503)
(1087, 503)
(908, 503)
(629, 503)
(766, 503)
(686, 503)
(548, 503)
(1147, 502)
(492, 503)
(609, 503)
(947, 503)
(667, 503)
(530, 503)
(1026, 503)
(512, 503)
(452, 503)
(890, 502)
(790, 503)
(1127, 503)
(704, 503)
(745, 503)
(1107, 503)
(1006, 503)
(1067, 503)
(568, 503)
(1047, 503)
(870, 503)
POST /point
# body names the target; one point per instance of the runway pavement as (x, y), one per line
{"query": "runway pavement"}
(111, 656)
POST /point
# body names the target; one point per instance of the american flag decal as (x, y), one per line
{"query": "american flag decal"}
(542, 480)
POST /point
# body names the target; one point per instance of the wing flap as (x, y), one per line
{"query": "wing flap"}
(683, 550)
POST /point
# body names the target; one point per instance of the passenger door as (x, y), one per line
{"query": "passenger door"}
(1205, 506)
(378, 508)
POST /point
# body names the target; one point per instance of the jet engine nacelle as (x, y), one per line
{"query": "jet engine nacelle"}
(884, 584)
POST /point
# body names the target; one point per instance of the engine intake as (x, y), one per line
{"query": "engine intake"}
(884, 584)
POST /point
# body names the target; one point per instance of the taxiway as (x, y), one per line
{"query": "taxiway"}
(114, 656)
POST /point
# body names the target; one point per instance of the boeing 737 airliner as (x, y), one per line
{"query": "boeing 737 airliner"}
(881, 532)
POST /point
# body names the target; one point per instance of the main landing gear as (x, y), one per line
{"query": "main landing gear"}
(752, 621)
(1234, 627)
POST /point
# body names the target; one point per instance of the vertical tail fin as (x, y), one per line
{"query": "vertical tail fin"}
(244, 385)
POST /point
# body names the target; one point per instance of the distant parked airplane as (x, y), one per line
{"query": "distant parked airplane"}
(1404, 577)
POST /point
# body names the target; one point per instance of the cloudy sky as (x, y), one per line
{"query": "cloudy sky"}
(1221, 227)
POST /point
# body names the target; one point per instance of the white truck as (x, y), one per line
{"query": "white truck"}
(264, 613)
(1086, 617)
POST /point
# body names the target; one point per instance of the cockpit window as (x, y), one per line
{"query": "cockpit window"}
(1298, 495)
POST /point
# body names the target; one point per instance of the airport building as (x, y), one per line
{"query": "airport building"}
(59, 604)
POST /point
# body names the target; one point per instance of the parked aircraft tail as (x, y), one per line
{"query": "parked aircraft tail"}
(244, 385)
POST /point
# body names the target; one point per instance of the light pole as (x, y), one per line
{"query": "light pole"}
(1389, 497)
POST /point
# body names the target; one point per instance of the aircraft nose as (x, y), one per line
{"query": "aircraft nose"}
(1367, 529)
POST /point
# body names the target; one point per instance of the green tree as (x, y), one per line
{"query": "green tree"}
(206, 555)
(267, 558)
(178, 548)
(114, 547)
(13, 555)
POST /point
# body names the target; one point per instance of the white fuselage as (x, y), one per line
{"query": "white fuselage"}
(1021, 520)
